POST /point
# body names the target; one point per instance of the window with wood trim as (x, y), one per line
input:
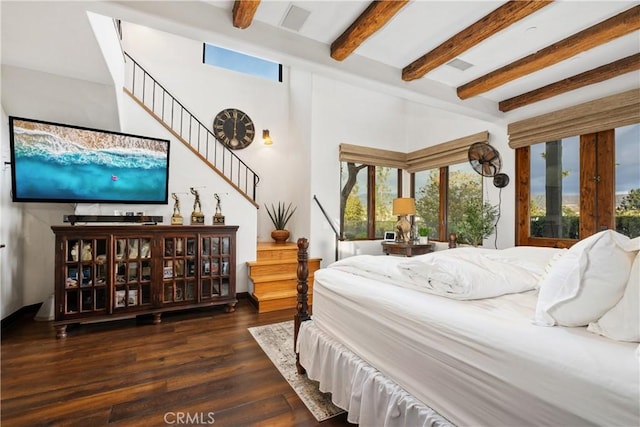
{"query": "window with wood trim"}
(442, 195)
(571, 188)
(366, 200)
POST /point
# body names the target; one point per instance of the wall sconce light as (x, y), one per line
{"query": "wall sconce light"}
(266, 138)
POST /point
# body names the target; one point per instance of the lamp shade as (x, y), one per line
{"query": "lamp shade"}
(404, 206)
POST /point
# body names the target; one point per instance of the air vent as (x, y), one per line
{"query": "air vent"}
(295, 18)
(459, 64)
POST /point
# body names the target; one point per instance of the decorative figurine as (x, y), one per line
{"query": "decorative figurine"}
(87, 254)
(218, 218)
(197, 217)
(453, 240)
(74, 252)
(176, 218)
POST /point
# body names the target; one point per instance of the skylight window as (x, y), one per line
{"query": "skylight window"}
(236, 61)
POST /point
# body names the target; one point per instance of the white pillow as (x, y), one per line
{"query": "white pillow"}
(622, 322)
(586, 282)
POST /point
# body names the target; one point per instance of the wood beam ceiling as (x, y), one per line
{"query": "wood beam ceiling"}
(243, 12)
(604, 32)
(496, 21)
(597, 75)
(377, 14)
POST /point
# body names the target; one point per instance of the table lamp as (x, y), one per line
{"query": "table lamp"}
(402, 207)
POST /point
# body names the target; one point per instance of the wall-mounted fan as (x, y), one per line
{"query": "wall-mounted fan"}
(486, 161)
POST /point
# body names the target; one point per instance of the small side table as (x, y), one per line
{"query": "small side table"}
(406, 249)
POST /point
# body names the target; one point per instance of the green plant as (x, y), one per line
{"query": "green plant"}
(280, 216)
(424, 231)
(478, 222)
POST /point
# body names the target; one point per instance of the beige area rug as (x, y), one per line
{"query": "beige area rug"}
(277, 342)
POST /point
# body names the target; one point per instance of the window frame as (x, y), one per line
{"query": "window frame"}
(371, 202)
(443, 217)
(597, 190)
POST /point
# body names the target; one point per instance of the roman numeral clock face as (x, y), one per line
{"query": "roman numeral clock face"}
(233, 128)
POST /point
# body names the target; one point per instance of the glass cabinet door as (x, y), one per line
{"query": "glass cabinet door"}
(86, 276)
(179, 269)
(133, 272)
(215, 266)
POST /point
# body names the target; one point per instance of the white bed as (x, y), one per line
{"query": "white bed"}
(394, 355)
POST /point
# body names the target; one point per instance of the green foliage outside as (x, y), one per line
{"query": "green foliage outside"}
(355, 212)
(570, 227)
(478, 222)
(630, 204)
(465, 189)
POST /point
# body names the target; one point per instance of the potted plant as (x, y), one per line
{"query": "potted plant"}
(280, 216)
(423, 232)
(478, 222)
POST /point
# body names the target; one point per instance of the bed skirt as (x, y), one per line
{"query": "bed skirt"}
(367, 395)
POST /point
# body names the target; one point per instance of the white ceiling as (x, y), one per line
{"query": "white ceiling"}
(423, 25)
(416, 29)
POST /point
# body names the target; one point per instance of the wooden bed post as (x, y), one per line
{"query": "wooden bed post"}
(302, 307)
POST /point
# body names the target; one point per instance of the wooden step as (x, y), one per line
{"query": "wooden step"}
(274, 267)
(279, 301)
(274, 276)
(263, 287)
(268, 251)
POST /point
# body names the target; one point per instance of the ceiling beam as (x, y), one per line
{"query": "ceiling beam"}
(601, 33)
(596, 75)
(496, 21)
(371, 20)
(243, 11)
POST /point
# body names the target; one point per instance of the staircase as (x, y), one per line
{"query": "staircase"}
(274, 276)
(158, 102)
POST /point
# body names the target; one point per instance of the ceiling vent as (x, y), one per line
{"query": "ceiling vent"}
(459, 64)
(295, 18)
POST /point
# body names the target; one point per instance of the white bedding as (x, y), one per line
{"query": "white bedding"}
(463, 273)
(481, 362)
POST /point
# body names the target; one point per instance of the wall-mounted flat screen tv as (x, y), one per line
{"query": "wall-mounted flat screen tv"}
(53, 162)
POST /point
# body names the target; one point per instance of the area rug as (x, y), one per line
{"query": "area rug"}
(276, 341)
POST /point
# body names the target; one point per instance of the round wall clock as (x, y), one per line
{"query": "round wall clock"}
(233, 128)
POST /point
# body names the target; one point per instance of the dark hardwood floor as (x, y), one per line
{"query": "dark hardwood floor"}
(195, 367)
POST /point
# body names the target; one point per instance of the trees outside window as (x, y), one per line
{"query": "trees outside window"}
(442, 196)
(366, 200)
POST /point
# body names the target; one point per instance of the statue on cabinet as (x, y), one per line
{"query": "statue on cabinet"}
(197, 217)
(176, 218)
(218, 218)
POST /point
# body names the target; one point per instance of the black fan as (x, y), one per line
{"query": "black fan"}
(484, 159)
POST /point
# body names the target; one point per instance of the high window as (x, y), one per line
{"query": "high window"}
(236, 61)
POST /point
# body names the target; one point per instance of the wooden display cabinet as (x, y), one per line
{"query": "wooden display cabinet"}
(113, 272)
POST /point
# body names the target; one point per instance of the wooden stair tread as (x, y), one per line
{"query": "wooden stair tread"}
(279, 261)
(273, 246)
(277, 295)
(274, 277)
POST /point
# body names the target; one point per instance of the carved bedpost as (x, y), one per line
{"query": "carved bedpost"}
(302, 307)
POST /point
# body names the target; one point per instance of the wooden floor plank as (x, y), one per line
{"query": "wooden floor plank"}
(134, 373)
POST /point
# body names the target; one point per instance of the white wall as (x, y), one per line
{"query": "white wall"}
(176, 62)
(427, 126)
(11, 280)
(354, 115)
